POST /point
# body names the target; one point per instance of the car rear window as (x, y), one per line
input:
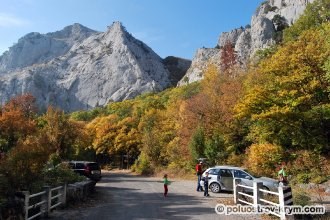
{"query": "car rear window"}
(80, 166)
(94, 166)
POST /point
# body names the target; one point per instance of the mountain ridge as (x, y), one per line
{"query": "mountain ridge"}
(98, 68)
(35, 48)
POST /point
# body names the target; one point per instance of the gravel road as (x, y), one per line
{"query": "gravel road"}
(124, 196)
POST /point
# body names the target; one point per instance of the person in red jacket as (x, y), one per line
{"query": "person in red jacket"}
(199, 172)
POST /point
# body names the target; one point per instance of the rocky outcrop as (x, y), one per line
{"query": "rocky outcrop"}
(270, 18)
(202, 58)
(263, 26)
(230, 37)
(177, 68)
(97, 68)
(242, 48)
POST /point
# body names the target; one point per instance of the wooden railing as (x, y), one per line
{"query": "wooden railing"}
(257, 193)
(43, 202)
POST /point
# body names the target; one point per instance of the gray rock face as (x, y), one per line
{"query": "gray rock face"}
(262, 27)
(35, 48)
(247, 41)
(262, 30)
(96, 69)
(242, 46)
(230, 37)
(290, 9)
(202, 58)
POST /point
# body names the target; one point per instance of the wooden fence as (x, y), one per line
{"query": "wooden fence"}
(43, 202)
(256, 196)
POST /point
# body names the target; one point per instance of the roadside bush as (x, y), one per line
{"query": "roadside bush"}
(59, 175)
(181, 168)
(308, 166)
(300, 197)
(25, 163)
(263, 158)
(142, 166)
(302, 178)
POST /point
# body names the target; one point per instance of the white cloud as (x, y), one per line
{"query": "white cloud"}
(8, 20)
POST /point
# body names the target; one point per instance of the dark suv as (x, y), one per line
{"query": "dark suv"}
(89, 169)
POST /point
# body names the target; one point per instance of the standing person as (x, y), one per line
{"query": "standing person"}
(199, 172)
(282, 177)
(206, 184)
(166, 183)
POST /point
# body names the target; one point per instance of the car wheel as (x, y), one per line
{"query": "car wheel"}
(215, 187)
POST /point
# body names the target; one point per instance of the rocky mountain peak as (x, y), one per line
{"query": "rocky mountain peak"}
(117, 33)
(117, 26)
(36, 48)
(72, 33)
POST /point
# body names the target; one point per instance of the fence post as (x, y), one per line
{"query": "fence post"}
(281, 202)
(236, 182)
(287, 195)
(286, 200)
(256, 194)
(64, 194)
(46, 198)
(26, 204)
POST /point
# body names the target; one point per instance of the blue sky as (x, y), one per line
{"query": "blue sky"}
(169, 27)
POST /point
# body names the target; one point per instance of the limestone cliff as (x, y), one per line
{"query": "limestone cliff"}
(265, 24)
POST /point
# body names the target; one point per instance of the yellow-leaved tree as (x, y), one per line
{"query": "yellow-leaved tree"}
(263, 159)
(287, 98)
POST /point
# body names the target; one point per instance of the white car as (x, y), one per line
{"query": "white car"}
(221, 178)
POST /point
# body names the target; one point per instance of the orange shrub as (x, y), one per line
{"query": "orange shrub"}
(262, 159)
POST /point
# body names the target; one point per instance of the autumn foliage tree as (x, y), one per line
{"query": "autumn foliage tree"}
(17, 121)
(263, 159)
(111, 135)
(26, 162)
(211, 111)
(287, 101)
(228, 56)
(63, 136)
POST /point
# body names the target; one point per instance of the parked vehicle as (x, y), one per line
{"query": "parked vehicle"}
(89, 169)
(222, 178)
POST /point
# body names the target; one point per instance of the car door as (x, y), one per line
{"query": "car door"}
(226, 179)
(213, 174)
(246, 179)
